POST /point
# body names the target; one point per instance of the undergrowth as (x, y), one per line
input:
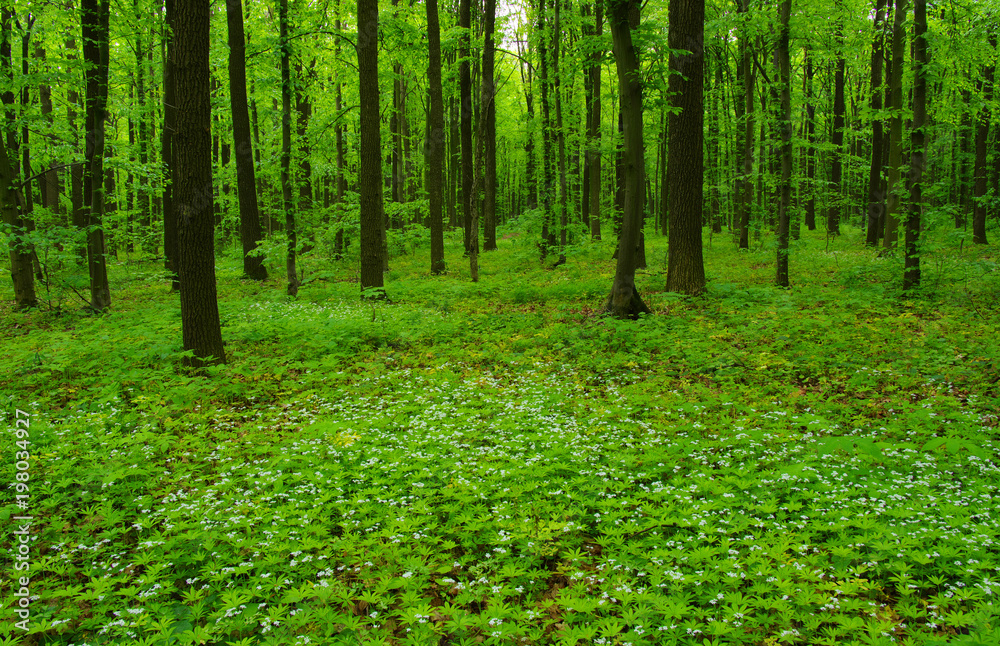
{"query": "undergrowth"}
(497, 463)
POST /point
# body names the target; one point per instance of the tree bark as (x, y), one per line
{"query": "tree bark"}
(12, 205)
(370, 176)
(170, 251)
(785, 127)
(876, 196)
(95, 18)
(685, 163)
(489, 114)
(291, 273)
(624, 300)
(436, 140)
(911, 271)
(982, 140)
(836, 164)
(246, 182)
(560, 134)
(895, 104)
(594, 131)
(465, 109)
(749, 130)
(194, 196)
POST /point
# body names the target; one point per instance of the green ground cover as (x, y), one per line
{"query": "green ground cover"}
(495, 463)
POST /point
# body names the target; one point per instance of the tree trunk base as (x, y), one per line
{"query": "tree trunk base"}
(625, 303)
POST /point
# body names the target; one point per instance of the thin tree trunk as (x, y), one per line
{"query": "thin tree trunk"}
(911, 272)
(836, 165)
(465, 108)
(170, 250)
(291, 272)
(624, 300)
(895, 105)
(876, 198)
(489, 131)
(749, 130)
(436, 140)
(12, 205)
(785, 127)
(594, 134)
(560, 133)
(982, 140)
(246, 182)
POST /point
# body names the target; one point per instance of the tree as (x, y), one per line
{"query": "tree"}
(911, 272)
(436, 140)
(876, 196)
(895, 105)
(370, 176)
(170, 251)
(982, 138)
(836, 164)
(489, 130)
(624, 300)
(246, 183)
(193, 185)
(286, 148)
(592, 162)
(785, 126)
(465, 110)
(12, 205)
(95, 18)
(745, 188)
(685, 161)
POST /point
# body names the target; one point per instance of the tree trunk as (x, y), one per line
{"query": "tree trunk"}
(465, 109)
(95, 18)
(810, 211)
(193, 154)
(876, 198)
(246, 182)
(895, 105)
(624, 300)
(545, 192)
(291, 273)
(12, 205)
(785, 126)
(685, 163)
(982, 139)
(911, 271)
(594, 133)
(489, 115)
(170, 250)
(370, 176)
(485, 100)
(836, 165)
(749, 130)
(436, 141)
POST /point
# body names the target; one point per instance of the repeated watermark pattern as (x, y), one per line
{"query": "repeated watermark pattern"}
(21, 543)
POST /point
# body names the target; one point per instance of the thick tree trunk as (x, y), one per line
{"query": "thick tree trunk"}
(876, 196)
(193, 155)
(436, 140)
(291, 273)
(911, 271)
(95, 18)
(624, 300)
(246, 182)
(685, 163)
(370, 176)
(785, 127)
(12, 206)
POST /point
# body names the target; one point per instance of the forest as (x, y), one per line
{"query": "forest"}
(535, 322)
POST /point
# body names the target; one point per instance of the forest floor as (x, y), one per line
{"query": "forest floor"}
(496, 463)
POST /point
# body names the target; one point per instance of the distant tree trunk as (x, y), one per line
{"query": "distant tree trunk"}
(895, 105)
(370, 176)
(836, 165)
(170, 250)
(624, 300)
(193, 154)
(246, 182)
(490, 131)
(304, 111)
(560, 134)
(685, 169)
(911, 272)
(95, 18)
(531, 181)
(785, 127)
(49, 181)
(749, 129)
(876, 198)
(142, 189)
(291, 272)
(982, 139)
(545, 76)
(485, 99)
(436, 141)
(465, 108)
